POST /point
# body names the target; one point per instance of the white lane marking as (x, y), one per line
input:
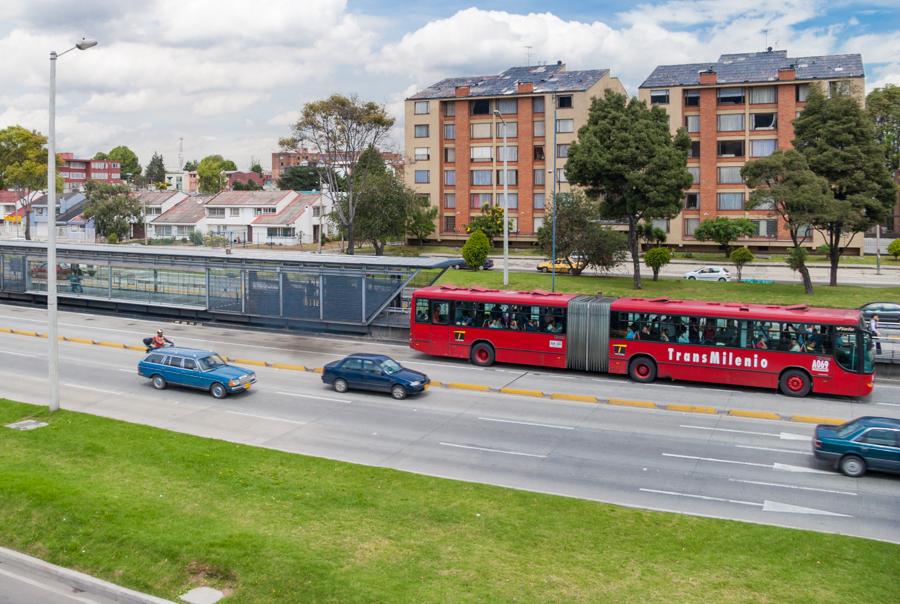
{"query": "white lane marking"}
(318, 398)
(268, 417)
(743, 463)
(767, 506)
(52, 590)
(781, 435)
(70, 385)
(126, 370)
(889, 404)
(512, 421)
(21, 354)
(774, 450)
(793, 486)
(489, 450)
(704, 497)
(799, 469)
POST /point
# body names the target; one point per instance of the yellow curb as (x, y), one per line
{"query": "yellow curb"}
(756, 414)
(133, 347)
(40, 335)
(522, 392)
(79, 340)
(110, 344)
(249, 362)
(24, 332)
(692, 409)
(581, 398)
(6, 330)
(812, 419)
(462, 386)
(319, 370)
(288, 366)
(436, 383)
(624, 402)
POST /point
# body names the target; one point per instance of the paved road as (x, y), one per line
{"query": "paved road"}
(23, 586)
(751, 470)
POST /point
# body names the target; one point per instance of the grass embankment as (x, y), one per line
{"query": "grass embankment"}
(163, 512)
(842, 296)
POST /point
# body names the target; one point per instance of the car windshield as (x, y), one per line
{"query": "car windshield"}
(847, 429)
(390, 366)
(211, 362)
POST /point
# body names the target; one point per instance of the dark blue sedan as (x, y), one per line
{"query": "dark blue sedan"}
(195, 369)
(863, 443)
(374, 372)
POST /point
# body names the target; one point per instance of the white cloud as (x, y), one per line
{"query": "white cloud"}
(886, 74)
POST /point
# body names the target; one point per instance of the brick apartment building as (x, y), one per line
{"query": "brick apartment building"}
(736, 109)
(454, 141)
(76, 172)
(282, 160)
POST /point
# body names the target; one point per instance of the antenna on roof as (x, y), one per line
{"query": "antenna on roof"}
(528, 48)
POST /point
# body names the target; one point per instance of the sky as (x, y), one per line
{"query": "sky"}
(230, 76)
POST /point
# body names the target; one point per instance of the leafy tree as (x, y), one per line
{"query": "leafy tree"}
(191, 165)
(420, 218)
(883, 107)
(784, 182)
(23, 165)
(161, 186)
(475, 249)
(210, 174)
(128, 160)
(580, 240)
(651, 234)
(299, 178)
(113, 208)
(156, 169)
(255, 167)
(490, 222)
(741, 256)
(339, 129)
(838, 141)
(250, 185)
(657, 258)
(100, 155)
(626, 156)
(228, 165)
(724, 231)
(894, 249)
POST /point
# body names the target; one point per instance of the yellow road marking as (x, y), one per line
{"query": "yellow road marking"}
(580, 398)
(754, 414)
(522, 392)
(630, 403)
(692, 408)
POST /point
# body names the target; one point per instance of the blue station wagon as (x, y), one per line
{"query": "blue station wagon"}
(864, 443)
(193, 368)
(374, 372)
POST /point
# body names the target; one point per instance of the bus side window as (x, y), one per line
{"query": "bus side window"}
(422, 310)
(619, 325)
(440, 312)
(464, 314)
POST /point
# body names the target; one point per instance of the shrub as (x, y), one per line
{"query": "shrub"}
(741, 256)
(475, 251)
(657, 258)
(796, 258)
(823, 249)
(894, 249)
(196, 237)
(112, 238)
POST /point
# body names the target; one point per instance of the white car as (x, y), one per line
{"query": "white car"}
(709, 273)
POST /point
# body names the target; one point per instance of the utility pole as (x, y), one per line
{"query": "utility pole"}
(505, 199)
(553, 208)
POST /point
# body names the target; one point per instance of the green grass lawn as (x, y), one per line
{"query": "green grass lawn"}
(843, 296)
(162, 512)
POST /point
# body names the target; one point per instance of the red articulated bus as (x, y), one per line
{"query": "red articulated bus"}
(796, 349)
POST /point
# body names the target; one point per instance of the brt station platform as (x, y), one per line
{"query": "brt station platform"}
(292, 290)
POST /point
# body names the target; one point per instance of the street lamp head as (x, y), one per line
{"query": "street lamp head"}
(85, 44)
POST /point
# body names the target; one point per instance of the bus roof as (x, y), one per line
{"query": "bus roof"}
(479, 294)
(799, 313)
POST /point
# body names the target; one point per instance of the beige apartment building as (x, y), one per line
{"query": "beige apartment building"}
(739, 108)
(453, 139)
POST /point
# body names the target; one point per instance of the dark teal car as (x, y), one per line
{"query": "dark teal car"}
(865, 443)
(374, 372)
(193, 368)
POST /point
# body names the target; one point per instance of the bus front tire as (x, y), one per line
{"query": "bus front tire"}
(794, 382)
(642, 370)
(482, 355)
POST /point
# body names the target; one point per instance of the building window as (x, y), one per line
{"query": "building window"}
(513, 224)
(480, 178)
(763, 94)
(561, 175)
(513, 177)
(694, 153)
(449, 131)
(802, 92)
(690, 226)
(423, 177)
(660, 223)
(511, 153)
(691, 98)
(511, 128)
(731, 201)
(508, 106)
(479, 200)
(102, 175)
(449, 224)
(421, 108)
(659, 97)
(539, 178)
(539, 127)
(215, 212)
(730, 175)
(479, 154)
(450, 108)
(763, 121)
(480, 107)
(766, 228)
(234, 212)
(731, 96)
(259, 211)
(562, 150)
(449, 177)
(839, 88)
(285, 232)
(481, 130)
(731, 148)
(538, 223)
(537, 104)
(513, 200)
(162, 230)
(449, 200)
(692, 123)
(692, 201)
(695, 172)
(539, 152)
(422, 154)
(730, 122)
(421, 130)
(450, 154)
(763, 147)
(564, 101)
(539, 202)
(567, 125)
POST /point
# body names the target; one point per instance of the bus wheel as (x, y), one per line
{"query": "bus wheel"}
(482, 355)
(642, 370)
(794, 383)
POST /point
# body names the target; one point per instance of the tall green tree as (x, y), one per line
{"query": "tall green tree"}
(339, 129)
(128, 160)
(784, 183)
(250, 185)
(210, 174)
(299, 178)
(626, 156)
(23, 165)
(113, 208)
(838, 141)
(883, 108)
(156, 169)
(255, 167)
(101, 155)
(191, 165)
(228, 165)
(420, 218)
(724, 231)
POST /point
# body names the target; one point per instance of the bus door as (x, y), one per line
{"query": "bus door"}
(462, 331)
(442, 334)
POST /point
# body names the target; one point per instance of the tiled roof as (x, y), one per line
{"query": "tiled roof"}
(41, 200)
(753, 67)
(248, 198)
(73, 212)
(9, 196)
(154, 198)
(187, 211)
(288, 215)
(546, 78)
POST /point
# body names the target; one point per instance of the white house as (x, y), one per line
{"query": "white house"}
(153, 204)
(294, 224)
(182, 219)
(231, 213)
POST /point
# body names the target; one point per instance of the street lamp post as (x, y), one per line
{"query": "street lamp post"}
(505, 200)
(52, 327)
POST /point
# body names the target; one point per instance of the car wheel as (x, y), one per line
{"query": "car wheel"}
(159, 382)
(544, 269)
(853, 466)
(642, 370)
(794, 383)
(218, 390)
(340, 385)
(722, 279)
(692, 278)
(398, 392)
(482, 354)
